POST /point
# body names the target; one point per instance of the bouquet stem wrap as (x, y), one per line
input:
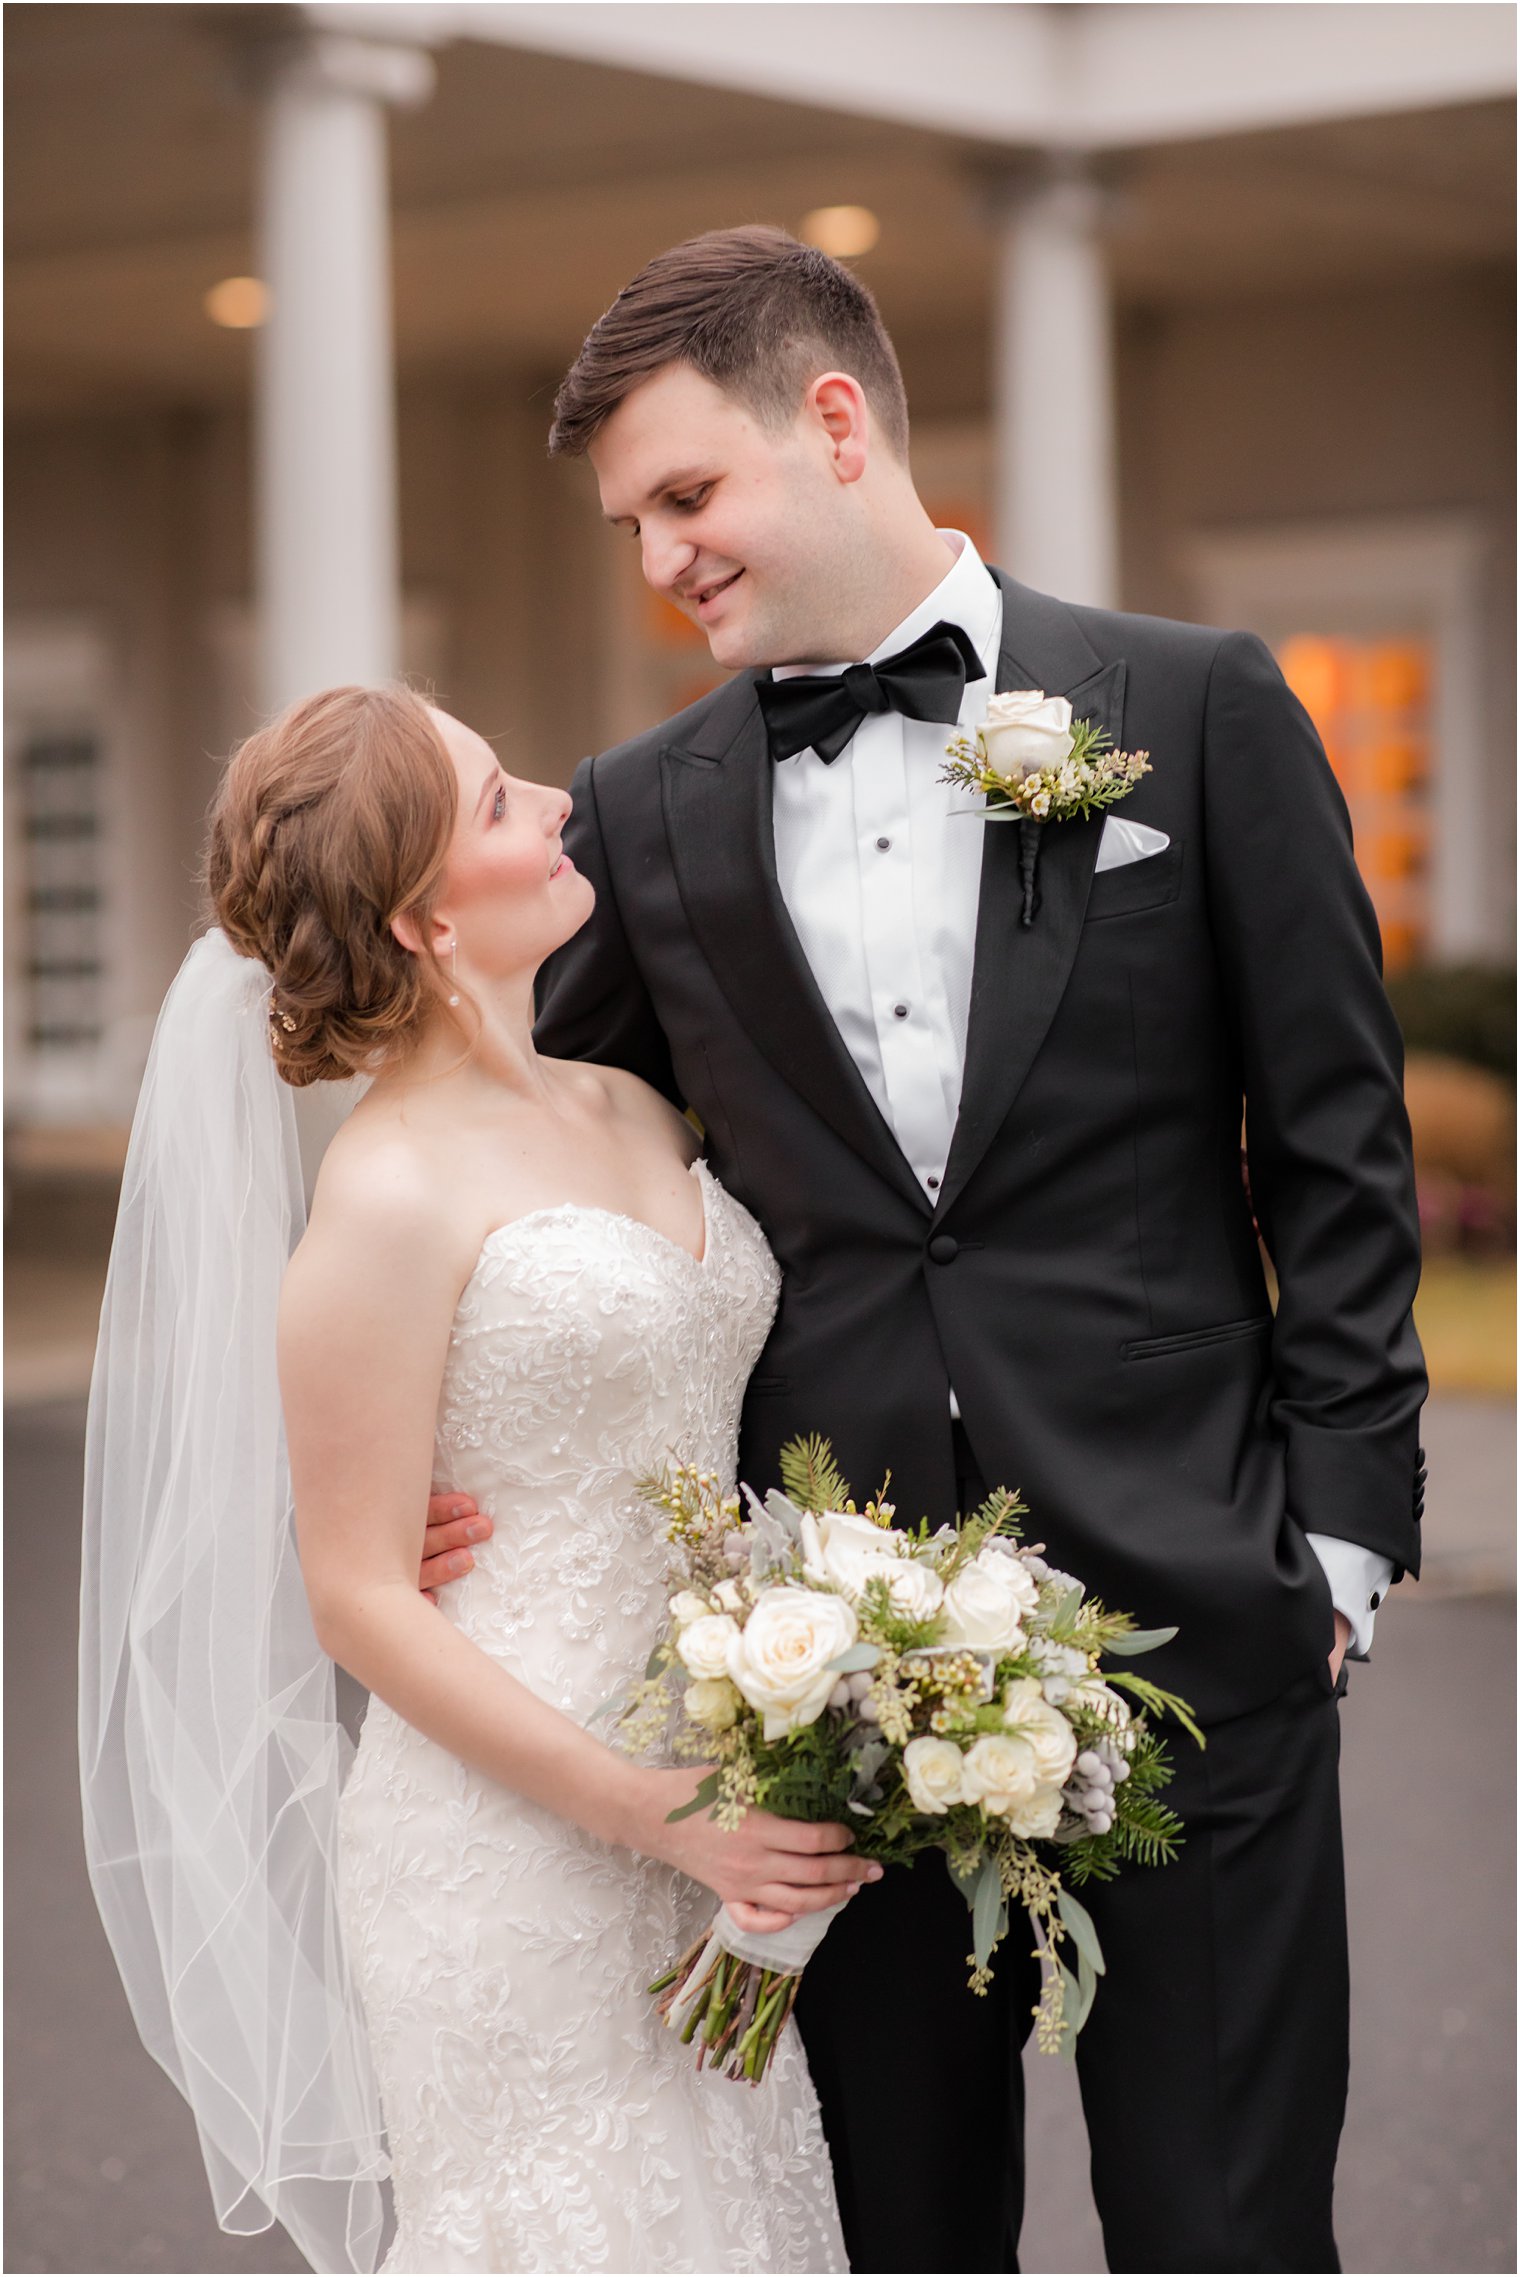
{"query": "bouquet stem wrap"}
(733, 1992)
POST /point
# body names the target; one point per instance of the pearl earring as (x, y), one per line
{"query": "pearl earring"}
(454, 968)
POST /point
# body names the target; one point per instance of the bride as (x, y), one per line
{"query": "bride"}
(516, 1281)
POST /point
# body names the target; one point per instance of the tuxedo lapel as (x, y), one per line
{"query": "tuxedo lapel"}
(716, 796)
(1020, 972)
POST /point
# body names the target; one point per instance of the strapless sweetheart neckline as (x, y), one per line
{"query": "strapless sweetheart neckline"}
(696, 1169)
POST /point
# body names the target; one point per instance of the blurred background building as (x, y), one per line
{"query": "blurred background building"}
(1204, 310)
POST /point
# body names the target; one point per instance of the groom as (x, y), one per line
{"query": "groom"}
(999, 1165)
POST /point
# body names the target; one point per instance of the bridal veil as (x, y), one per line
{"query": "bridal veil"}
(212, 1755)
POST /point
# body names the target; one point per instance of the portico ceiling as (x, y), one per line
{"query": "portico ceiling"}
(532, 184)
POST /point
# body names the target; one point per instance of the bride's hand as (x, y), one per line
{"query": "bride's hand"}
(779, 1866)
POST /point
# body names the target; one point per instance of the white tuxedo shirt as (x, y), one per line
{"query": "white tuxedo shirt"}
(879, 865)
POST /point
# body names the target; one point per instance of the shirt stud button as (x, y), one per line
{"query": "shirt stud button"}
(931, 1181)
(883, 845)
(900, 1011)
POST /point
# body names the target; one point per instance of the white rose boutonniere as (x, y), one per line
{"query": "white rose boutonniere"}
(1026, 731)
(1033, 763)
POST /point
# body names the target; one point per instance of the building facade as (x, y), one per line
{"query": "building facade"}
(1237, 347)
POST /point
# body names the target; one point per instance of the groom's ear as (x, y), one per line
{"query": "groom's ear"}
(837, 403)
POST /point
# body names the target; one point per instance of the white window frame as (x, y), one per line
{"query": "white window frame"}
(61, 678)
(1423, 573)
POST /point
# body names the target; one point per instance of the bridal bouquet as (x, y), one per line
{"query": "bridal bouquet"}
(936, 1690)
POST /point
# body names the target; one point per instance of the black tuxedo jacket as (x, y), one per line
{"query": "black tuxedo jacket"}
(1088, 1280)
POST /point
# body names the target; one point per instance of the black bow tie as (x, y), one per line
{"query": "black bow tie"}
(822, 711)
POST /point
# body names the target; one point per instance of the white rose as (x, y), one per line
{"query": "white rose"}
(932, 1769)
(1036, 1819)
(1004, 1561)
(780, 1658)
(999, 1772)
(688, 1606)
(1100, 1699)
(730, 1596)
(1049, 1736)
(712, 1702)
(916, 1589)
(704, 1646)
(844, 1550)
(982, 1607)
(1026, 730)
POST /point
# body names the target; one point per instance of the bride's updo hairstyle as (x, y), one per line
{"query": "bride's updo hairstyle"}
(330, 821)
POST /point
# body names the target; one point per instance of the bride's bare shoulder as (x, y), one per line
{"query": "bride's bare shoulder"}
(628, 1099)
(384, 1202)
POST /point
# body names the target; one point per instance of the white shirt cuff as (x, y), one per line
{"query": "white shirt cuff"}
(1359, 1580)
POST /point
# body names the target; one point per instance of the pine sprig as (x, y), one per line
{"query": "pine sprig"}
(999, 1516)
(811, 1477)
(1157, 1702)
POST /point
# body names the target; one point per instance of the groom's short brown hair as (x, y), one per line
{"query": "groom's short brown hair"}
(752, 310)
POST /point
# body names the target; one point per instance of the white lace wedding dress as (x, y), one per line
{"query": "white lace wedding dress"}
(539, 2115)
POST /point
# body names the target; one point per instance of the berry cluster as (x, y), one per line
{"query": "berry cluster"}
(1088, 1795)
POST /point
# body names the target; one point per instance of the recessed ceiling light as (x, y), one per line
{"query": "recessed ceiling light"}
(239, 303)
(841, 230)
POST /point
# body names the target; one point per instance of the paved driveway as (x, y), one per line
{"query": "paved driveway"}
(102, 2169)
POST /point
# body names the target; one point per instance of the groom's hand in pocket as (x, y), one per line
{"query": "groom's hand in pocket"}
(453, 1526)
(1342, 1640)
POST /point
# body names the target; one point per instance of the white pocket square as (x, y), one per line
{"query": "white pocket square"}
(1128, 842)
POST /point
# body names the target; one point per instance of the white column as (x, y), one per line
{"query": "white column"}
(327, 541)
(1056, 502)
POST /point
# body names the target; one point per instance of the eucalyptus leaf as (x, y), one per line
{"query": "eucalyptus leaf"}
(654, 1664)
(986, 1905)
(1071, 2002)
(855, 1658)
(706, 1794)
(1068, 1606)
(964, 1875)
(1083, 1935)
(1138, 1641)
(1087, 1986)
(613, 1705)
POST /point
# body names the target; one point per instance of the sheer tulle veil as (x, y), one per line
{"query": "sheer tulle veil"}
(211, 1752)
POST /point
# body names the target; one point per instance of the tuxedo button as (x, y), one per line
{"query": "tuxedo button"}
(944, 1249)
(1377, 1599)
(899, 1011)
(884, 845)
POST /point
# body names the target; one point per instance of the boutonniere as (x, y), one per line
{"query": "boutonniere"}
(1036, 764)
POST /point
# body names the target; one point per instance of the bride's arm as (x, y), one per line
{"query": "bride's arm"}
(365, 1317)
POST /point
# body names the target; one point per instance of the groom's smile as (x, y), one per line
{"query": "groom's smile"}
(732, 515)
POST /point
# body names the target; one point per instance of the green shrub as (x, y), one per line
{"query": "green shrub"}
(1465, 1011)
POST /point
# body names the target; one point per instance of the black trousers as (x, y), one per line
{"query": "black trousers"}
(1212, 2068)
